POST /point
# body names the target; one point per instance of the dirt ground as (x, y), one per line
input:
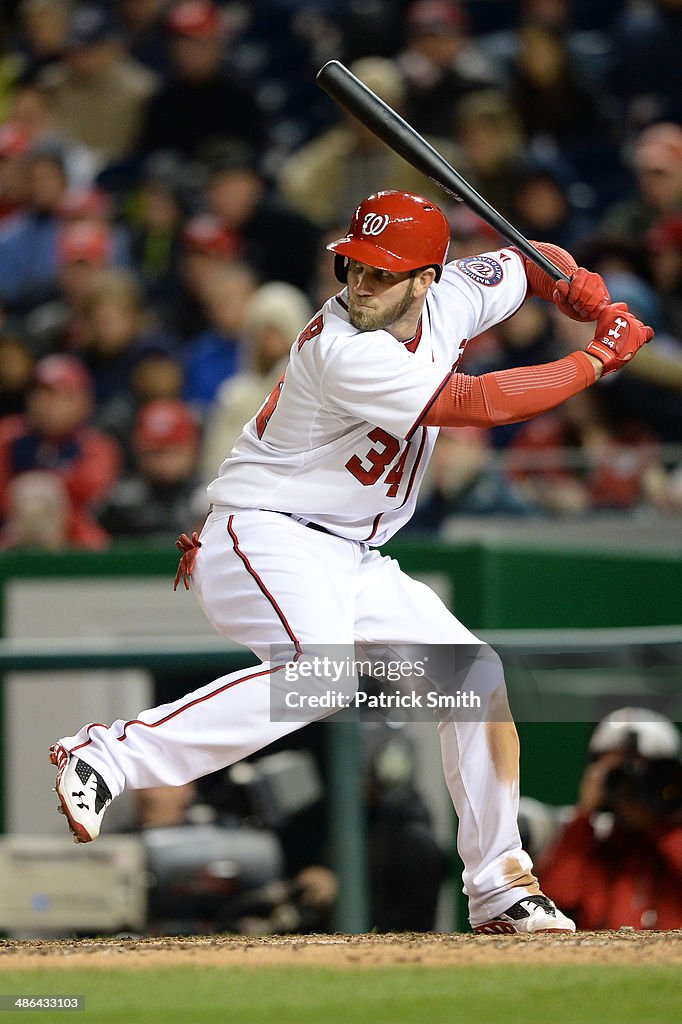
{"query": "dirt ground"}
(623, 947)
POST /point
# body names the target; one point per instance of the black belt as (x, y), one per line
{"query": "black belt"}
(310, 526)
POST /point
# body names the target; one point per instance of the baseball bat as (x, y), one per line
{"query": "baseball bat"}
(348, 91)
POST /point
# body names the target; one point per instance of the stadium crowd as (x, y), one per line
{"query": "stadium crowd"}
(170, 172)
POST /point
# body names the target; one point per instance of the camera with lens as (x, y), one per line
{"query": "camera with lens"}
(655, 783)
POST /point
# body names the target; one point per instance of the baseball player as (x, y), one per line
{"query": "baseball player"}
(326, 472)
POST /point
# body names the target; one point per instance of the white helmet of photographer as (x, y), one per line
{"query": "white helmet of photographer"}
(656, 735)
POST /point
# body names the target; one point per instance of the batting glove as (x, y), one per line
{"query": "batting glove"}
(583, 297)
(619, 335)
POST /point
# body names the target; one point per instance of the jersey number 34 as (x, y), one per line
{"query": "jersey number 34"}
(379, 458)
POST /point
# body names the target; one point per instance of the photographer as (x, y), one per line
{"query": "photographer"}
(618, 861)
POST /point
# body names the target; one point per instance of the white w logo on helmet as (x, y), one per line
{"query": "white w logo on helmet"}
(374, 223)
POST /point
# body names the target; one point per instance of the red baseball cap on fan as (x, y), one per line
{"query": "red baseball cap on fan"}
(14, 141)
(84, 242)
(198, 19)
(163, 423)
(437, 17)
(206, 234)
(62, 373)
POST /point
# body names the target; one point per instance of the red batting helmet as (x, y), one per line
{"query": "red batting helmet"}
(394, 231)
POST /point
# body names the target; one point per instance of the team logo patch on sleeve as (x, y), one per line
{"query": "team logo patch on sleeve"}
(481, 269)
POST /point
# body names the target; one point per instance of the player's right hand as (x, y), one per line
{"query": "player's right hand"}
(583, 297)
(618, 337)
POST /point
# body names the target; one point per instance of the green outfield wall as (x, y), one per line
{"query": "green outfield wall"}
(490, 585)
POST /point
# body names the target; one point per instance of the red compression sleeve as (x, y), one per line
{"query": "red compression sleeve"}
(541, 284)
(508, 396)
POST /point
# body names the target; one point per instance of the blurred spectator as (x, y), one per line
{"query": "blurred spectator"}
(545, 91)
(100, 93)
(263, 227)
(10, 70)
(657, 161)
(462, 482)
(39, 515)
(16, 374)
(83, 249)
(163, 806)
(14, 144)
(43, 26)
(155, 214)
(525, 339)
(53, 436)
(215, 355)
(469, 234)
(143, 24)
(618, 861)
(157, 374)
(206, 247)
(120, 335)
(33, 111)
(491, 146)
(587, 28)
(542, 209)
(649, 390)
(440, 63)
(325, 179)
(28, 239)
(94, 206)
(404, 890)
(201, 103)
(276, 314)
(664, 245)
(157, 501)
(647, 36)
(573, 461)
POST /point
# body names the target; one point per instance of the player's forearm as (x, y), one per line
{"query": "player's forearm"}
(509, 396)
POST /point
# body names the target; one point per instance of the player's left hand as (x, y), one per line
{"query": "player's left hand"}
(619, 336)
(584, 297)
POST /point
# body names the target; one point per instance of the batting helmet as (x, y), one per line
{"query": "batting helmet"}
(394, 231)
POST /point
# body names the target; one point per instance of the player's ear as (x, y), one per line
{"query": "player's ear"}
(423, 279)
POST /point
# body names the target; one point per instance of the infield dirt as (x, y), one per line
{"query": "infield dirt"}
(625, 948)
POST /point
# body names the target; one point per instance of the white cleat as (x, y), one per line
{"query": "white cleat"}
(530, 916)
(83, 794)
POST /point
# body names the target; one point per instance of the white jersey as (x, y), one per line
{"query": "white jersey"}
(338, 442)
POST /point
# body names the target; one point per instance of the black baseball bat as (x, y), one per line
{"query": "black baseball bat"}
(348, 91)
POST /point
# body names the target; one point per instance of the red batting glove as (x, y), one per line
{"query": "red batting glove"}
(619, 335)
(583, 298)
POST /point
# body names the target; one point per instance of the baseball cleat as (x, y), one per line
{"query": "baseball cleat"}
(84, 795)
(529, 916)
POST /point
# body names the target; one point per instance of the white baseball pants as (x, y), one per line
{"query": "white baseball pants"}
(263, 578)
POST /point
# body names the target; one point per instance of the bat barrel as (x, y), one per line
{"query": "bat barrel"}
(352, 94)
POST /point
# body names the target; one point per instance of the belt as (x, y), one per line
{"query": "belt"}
(310, 526)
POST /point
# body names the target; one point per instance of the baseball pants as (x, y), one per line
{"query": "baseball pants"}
(264, 579)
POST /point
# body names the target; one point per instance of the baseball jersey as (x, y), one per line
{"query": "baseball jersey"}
(338, 442)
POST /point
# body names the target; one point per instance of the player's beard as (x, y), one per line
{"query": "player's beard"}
(365, 319)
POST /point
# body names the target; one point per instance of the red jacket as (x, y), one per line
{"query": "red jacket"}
(629, 878)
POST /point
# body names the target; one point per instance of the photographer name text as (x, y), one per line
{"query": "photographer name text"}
(338, 699)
